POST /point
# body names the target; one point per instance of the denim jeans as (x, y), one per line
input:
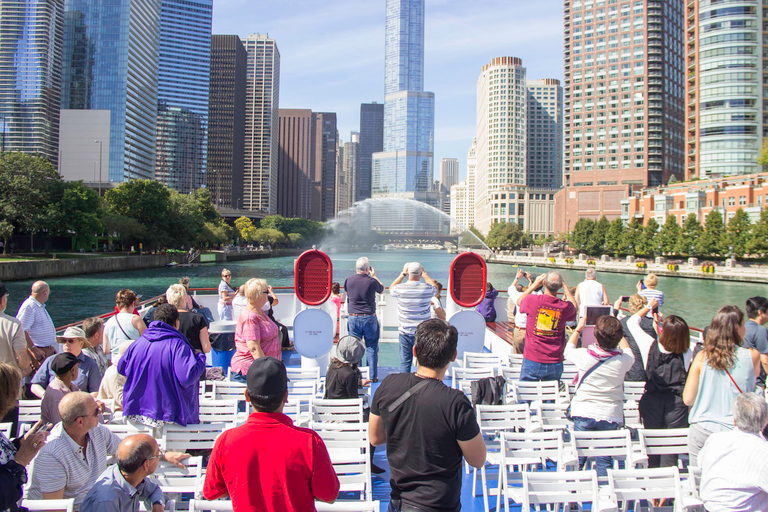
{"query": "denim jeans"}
(590, 424)
(406, 352)
(533, 371)
(367, 327)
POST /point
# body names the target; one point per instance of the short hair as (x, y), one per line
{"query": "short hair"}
(590, 273)
(756, 305)
(636, 303)
(519, 287)
(125, 298)
(10, 385)
(176, 295)
(74, 405)
(225, 271)
(488, 287)
(438, 285)
(608, 332)
(675, 336)
(266, 403)
(166, 313)
(436, 342)
(254, 288)
(362, 264)
(39, 286)
(184, 281)
(553, 281)
(92, 325)
(141, 453)
(750, 412)
(651, 280)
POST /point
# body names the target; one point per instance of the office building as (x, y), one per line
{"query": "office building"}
(449, 172)
(295, 162)
(347, 172)
(31, 38)
(624, 112)
(545, 133)
(371, 141)
(182, 91)
(110, 62)
(727, 109)
(80, 158)
(262, 99)
(326, 142)
(226, 121)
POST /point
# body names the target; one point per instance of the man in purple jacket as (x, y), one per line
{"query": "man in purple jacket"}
(161, 373)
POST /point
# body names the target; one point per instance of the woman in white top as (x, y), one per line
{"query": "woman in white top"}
(436, 305)
(124, 325)
(226, 294)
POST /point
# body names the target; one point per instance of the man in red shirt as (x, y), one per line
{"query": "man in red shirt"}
(268, 464)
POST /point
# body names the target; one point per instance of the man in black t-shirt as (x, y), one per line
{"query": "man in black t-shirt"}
(361, 290)
(429, 432)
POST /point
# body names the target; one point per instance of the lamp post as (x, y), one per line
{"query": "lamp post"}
(100, 151)
(238, 202)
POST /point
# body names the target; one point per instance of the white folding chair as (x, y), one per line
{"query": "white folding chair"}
(616, 444)
(173, 480)
(365, 392)
(671, 441)
(694, 481)
(536, 392)
(337, 410)
(219, 411)
(354, 472)
(29, 414)
(343, 438)
(511, 373)
(553, 416)
(632, 414)
(628, 485)
(228, 390)
(482, 360)
(569, 374)
(554, 488)
(7, 429)
(176, 438)
(462, 378)
(297, 374)
(348, 506)
(210, 506)
(65, 505)
(633, 390)
(129, 429)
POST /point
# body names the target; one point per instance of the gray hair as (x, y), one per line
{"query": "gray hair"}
(554, 281)
(177, 295)
(590, 273)
(362, 264)
(750, 412)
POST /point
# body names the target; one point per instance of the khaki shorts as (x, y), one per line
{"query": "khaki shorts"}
(518, 340)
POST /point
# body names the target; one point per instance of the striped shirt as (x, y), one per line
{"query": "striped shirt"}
(64, 464)
(37, 322)
(414, 300)
(650, 294)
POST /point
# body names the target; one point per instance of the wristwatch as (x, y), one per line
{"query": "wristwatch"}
(404, 274)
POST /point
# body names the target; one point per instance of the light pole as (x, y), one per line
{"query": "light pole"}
(238, 202)
(100, 151)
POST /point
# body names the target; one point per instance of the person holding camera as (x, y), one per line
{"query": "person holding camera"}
(362, 323)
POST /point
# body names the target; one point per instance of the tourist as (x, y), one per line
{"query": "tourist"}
(598, 403)
(336, 299)
(149, 314)
(255, 334)
(15, 456)
(590, 292)
(513, 311)
(112, 384)
(161, 374)
(88, 379)
(76, 453)
(647, 288)
(93, 328)
(13, 344)
(122, 485)
(65, 367)
(719, 373)
(124, 325)
(428, 433)
(268, 464)
(362, 322)
(414, 300)
(37, 323)
(756, 336)
(282, 331)
(239, 302)
(191, 325)
(666, 364)
(545, 327)
(635, 304)
(734, 464)
(192, 304)
(487, 308)
(437, 303)
(226, 294)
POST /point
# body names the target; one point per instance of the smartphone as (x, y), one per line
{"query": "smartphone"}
(44, 427)
(642, 285)
(625, 298)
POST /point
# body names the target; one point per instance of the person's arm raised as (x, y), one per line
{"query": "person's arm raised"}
(399, 279)
(568, 296)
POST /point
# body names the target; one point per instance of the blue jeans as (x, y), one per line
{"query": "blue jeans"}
(406, 352)
(531, 370)
(589, 424)
(367, 327)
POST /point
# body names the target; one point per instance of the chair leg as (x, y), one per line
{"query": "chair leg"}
(483, 482)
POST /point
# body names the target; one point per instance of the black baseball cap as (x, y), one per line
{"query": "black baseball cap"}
(63, 362)
(267, 377)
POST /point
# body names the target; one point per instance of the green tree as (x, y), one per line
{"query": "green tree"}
(614, 237)
(762, 158)
(246, 229)
(214, 233)
(596, 243)
(506, 236)
(647, 246)
(273, 222)
(149, 203)
(633, 237)
(269, 236)
(739, 233)
(669, 236)
(691, 237)
(582, 234)
(713, 241)
(126, 229)
(477, 233)
(758, 241)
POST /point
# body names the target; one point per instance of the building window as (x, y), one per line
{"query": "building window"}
(742, 200)
(731, 201)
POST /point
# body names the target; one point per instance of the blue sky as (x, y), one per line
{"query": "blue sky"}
(332, 53)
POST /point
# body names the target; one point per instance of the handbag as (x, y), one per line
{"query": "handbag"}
(578, 385)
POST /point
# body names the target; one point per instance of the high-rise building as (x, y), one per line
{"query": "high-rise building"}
(31, 38)
(261, 120)
(624, 114)
(346, 174)
(182, 92)
(326, 142)
(226, 121)
(449, 172)
(404, 168)
(371, 141)
(295, 162)
(110, 63)
(727, 107)
(545, 133)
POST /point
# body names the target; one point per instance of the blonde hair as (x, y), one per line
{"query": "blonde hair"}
(254, 288)
(651, 280)
(177, 295)
(636, 303)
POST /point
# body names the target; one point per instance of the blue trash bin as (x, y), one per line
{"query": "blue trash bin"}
(222, 336)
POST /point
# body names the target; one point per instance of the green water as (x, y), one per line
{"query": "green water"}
(75, 298)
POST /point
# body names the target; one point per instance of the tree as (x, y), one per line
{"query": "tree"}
(245, 228)
(596, 243)
(713, 240)
(691, 234)
(581, 235)
(273, 222)
(614, 237)
(633, 237)
(669, 236)
(647, 244)
(505, 236)
(762, 158)
(739, 233)
(268, 236)
(149, 203)
(758, 240)
(477, 233)
(214, 234)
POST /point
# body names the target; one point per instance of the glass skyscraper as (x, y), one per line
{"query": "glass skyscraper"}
(371, 141)
(110, 63)
(182, 92)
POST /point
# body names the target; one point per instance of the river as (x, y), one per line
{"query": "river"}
(75, 298)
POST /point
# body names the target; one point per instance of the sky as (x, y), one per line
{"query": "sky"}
(332, 54)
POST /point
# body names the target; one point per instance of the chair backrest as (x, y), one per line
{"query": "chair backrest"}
(354, 472)
(64, 505)
(607, 443)
(694, 480)
(297, 374)
(343, 437)
(633, 390)
(228, 390)
(537, 391)
(554, 487)
(337, 410)
(210, 506)
(218, 411)
(173, 479)
(7, 429)
(129, 429)
(511, 373)
(645, 484)
(303, 390)
(482, 360)
(553, 416)
(495, 419)
(632, 414)
(192, 437)
(29, 413)
(469, 374)
(526, 448)
(672, 441)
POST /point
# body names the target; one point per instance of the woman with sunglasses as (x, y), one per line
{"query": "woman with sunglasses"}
(226, 294)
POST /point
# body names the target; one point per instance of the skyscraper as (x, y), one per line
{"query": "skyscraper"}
(545, 133)
(31, 37)
(371, 141)
(449, 172)
(347, 173)
(110, 63)
(226, 125)
(326, 141)
(261, 120)
(404, 168)
(182, 91)
(295, 163)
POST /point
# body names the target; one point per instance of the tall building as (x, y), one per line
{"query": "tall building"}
(727, 107)
(226, 121)
(545, 133)
(449, 172)
(295, 162)
(347, 172)
(182, 93)
(624, 113)
(326, 142)
(261, 119)
(404, 168)
(371, 141)
(31, 38)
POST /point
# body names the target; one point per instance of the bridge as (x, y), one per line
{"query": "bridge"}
(418, 239)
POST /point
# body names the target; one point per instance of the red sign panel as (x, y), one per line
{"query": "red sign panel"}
(468, 277)
(312, 275)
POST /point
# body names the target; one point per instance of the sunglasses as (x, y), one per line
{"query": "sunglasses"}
(95, 413)
(226, 275)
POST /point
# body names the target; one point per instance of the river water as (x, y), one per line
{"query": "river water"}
(75, 298)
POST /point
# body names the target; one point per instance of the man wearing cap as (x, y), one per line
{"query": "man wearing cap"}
(93, 328)
(65, 366)
(269, 464)
(414, 301)
(37, 323)
(89, 377)
(13, 345)
(361, 290)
